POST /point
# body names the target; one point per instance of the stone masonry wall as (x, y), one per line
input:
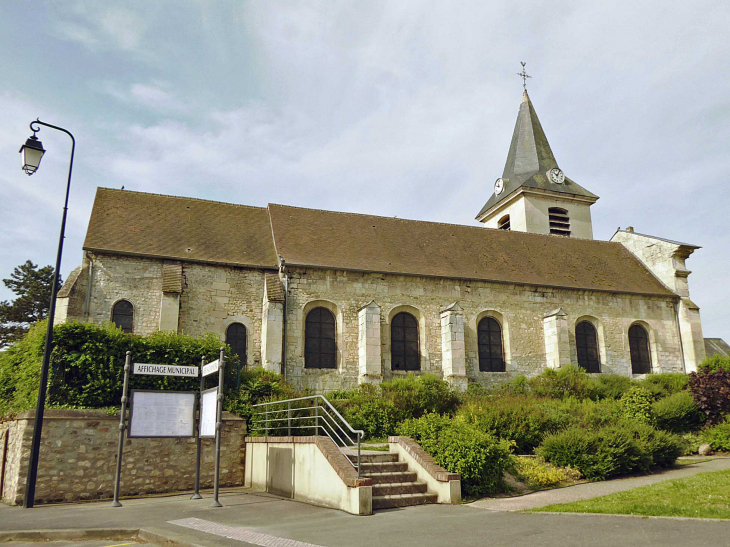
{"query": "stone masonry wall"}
(78, 458)
(213, 297)
(519, 309)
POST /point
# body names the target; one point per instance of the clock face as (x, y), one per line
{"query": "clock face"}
(556, 176)
(498, 186)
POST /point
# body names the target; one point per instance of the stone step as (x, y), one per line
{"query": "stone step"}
(391, 477)
(376, 457)
(390, 489)
(384, 467)
(402, 500)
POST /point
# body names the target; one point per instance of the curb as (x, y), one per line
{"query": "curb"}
(656, 517)
(69, 535)
(150, 535)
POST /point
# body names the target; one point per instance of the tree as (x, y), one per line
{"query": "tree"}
(33, 287)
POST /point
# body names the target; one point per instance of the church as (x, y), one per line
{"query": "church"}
(332, 300)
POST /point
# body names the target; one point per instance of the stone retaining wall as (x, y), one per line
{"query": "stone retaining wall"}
(78, 458)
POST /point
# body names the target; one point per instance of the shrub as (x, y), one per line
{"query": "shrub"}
(481, 459)
(711, 391)
(667, 383)
(524, 420)
(678, 413)
(718, 436)
(716, 362)
(662, 448)
(540, 474)
(610, 386)
(597, 455)
(567, 381)
(87, 364)
(614, 450)
(378, 410)
(636, 405)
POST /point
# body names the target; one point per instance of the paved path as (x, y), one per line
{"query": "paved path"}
(595, 489)
(261, 519)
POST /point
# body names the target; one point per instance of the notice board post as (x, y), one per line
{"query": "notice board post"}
(218, 427)
(122, 427)
(196, 495)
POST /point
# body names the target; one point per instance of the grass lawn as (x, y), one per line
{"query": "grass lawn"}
(705, 495)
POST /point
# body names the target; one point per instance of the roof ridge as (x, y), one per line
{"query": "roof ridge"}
(181, 197)
(471, 227)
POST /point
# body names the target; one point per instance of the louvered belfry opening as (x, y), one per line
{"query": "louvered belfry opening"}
(559, 221)
(503, 223)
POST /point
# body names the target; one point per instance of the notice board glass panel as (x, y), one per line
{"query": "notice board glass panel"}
(162, 414)
(208, 412)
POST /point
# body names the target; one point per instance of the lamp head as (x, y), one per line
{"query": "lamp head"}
(31, 153)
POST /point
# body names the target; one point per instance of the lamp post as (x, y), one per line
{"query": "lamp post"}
(32, 152)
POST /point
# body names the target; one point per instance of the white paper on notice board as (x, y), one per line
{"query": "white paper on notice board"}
(162, 414)
(208, 412)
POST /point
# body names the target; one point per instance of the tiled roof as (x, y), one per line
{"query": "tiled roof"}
(176, 228)
(347, 241)
(137, 223)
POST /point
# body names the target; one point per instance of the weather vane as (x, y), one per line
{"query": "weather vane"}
(524, 75)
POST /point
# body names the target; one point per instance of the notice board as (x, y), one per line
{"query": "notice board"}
(162, 414)
(208, 412)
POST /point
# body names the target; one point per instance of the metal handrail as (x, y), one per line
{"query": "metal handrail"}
(327, 423)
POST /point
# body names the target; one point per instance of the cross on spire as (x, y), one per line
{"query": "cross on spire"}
(524, 75)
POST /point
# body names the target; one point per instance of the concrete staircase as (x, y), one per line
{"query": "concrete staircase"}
(394, 485)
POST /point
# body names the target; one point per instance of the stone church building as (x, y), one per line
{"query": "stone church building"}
(335, 299)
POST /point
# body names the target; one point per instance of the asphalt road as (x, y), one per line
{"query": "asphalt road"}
(266, 520)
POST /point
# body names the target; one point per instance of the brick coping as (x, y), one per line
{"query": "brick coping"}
(85, 414)
(424, 459)
(339, 462)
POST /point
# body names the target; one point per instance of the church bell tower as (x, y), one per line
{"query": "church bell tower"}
(533, 194)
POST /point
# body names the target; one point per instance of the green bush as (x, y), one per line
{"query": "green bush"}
(523, 420)
(718, 436)
(481, 459)
(378, 410)
(537, 473)
(661, 447)
(716, 362)
(678, 413)
(622, 448)
(598, 455)
(610, 386)
(665, 384)
(87, 365)
(567, 381)
(636, 405)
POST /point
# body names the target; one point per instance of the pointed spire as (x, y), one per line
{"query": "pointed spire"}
(530, 160)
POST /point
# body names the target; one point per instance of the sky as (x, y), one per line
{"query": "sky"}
(392, 108)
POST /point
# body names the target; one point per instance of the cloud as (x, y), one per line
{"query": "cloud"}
(156, 96)
(101, 25)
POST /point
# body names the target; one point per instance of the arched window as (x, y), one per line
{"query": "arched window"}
(639, 347)
(586, 342)
(559, 221)
(320, 348)
(489, 335)
(236, 338)
(404, 353)
(503, 223)
(123, 315)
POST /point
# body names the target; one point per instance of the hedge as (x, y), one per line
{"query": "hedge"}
(87, 365)
(480, 458)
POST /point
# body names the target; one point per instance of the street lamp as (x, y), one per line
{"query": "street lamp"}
(32, 152)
